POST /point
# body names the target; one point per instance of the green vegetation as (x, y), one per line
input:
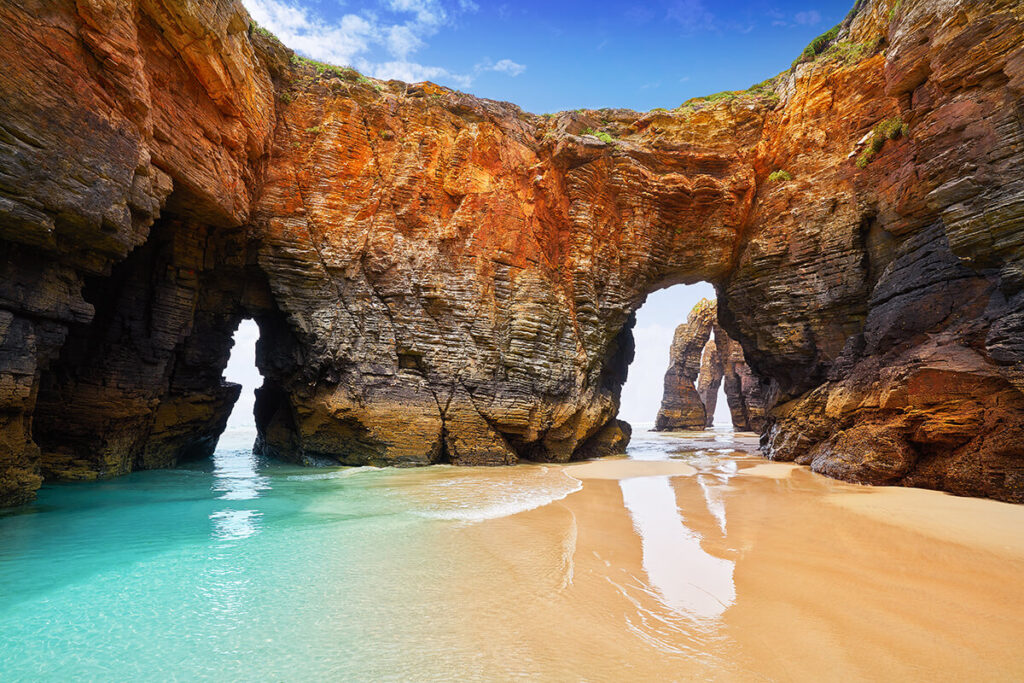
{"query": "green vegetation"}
(285, 97)
(600, 135)
(889, 129)
(780, 176)
(817, 46)
(331, 71)
(764, 91)
(848, 52)
(255, 28)
(313, 129)
(698, 103)
(894, 9)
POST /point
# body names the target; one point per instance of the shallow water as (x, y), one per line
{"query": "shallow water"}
(707, 563)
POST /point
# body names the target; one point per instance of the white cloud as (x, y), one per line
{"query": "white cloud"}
(402, 41)
(507, 66)
(691, 14)
(428, 12)
(808, 18)
(338, 42)
(353, 39)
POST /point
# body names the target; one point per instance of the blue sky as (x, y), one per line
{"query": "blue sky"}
(555, 55)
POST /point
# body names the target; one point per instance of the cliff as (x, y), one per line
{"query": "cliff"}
(438, 277)
(702, 356)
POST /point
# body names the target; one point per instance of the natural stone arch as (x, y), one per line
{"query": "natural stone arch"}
(420, 247)
(486, 289)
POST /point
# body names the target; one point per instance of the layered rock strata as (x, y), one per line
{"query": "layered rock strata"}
(702, 356)
(682, 405)
(443, 278)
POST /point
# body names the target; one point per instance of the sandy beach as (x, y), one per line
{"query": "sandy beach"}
(724, 566)
(692, 558)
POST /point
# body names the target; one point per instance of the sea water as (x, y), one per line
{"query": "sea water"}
(242, 568)
(712, 564)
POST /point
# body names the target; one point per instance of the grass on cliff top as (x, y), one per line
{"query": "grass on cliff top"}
(818, 45)
(266, 33)
(322, 69)
(764, 91)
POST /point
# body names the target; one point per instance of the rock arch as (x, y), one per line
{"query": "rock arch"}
(443, 278)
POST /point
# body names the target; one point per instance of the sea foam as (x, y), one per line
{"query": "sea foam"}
(489, 495)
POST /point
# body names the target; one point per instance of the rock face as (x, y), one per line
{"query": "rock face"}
(888, 306)
(701, 357)
(114, 116)
(442, 278)
(683, 406)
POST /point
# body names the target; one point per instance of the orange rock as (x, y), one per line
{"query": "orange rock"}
(440, 277)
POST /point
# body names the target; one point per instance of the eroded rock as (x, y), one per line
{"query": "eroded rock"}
(443, 278)
(702, 356)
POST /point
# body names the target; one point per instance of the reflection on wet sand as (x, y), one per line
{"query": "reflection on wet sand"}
(690, 580)
(742, 570)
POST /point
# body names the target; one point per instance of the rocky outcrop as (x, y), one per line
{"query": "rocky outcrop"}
(701, 357)
(682, 404)
(113, 117)
(460, 276)
(749, 396)
(443, 278)
(709, 380)
(885, 306)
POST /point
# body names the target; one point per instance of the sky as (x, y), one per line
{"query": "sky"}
(549, 55)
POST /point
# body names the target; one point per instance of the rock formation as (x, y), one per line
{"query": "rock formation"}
(748, 395)
(438, 277)
(701, 357)
(682, 405)
(709, 380)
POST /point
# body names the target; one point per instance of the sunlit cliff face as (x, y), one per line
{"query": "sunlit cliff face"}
(439, 278)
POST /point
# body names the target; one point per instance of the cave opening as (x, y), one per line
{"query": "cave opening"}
(236, 465)
(656, 323)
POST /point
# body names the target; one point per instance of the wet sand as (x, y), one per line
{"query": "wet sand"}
(688, 560)
(723, 567)
(624, 468)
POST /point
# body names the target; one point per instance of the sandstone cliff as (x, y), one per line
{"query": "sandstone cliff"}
(442, 278)
(701, 357)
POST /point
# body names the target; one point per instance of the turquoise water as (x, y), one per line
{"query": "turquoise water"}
(240, 569)
(244, 570)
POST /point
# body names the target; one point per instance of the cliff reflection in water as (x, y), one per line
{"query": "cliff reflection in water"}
(689, 579)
